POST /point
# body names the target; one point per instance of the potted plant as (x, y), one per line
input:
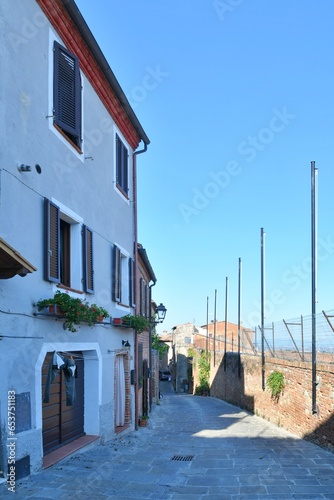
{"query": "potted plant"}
(74, 310)
(137, 322)
(143, 421)
(98, 313)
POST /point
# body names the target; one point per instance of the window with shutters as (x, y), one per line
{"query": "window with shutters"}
(122, 166)
(68, 249)
(122, 289)
(67, 94)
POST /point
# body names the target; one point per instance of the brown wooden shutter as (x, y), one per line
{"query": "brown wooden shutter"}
(140, 364)
(67, 93)
(122, 166)
(142, 297)
(132, 283)
(51, 241)
(116, 277)
(88, 259)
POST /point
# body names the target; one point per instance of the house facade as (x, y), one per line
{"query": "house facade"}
(146, 279)
(69, 145)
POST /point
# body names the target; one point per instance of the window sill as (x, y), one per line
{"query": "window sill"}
(122, 192)
(69, 289)
(68, 139)
(123, 305)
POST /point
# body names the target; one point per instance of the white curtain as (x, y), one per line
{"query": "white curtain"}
(120, 391)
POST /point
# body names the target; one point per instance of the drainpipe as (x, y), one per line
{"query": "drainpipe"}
(135, 252)
(150, 345)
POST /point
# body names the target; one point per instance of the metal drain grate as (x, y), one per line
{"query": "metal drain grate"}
(183, 458)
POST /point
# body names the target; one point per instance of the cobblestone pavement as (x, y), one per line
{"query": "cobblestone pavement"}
(193, 448)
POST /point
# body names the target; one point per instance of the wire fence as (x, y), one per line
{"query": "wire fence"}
(292, 339)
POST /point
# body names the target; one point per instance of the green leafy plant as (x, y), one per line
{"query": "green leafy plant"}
(276, 384)
(158, 345)
(98, 313)
(74, 310)
(137, 322)
(203, 388)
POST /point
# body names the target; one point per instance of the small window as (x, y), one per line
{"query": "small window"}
(121, 166)
(67, 94)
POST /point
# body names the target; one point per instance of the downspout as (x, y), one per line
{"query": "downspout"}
(135, 252)
(150, 345)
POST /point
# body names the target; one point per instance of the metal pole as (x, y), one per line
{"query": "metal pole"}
(262, 307)
(239, 316)
(207, 324)
(302, 334)
(314, 200)
(226, 291)
(214, 331)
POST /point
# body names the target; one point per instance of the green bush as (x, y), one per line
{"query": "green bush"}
(203, 374)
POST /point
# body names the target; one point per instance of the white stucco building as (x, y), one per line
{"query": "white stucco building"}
(68, 147)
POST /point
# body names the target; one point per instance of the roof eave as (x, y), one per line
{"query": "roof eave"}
(94, 47)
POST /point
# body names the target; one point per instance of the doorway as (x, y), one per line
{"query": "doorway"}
(62, 424)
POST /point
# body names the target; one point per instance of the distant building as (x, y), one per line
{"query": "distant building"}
(212, 337)
(187, 339)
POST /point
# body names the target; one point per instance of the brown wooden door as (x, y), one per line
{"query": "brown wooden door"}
(145, 387)
(62, 424)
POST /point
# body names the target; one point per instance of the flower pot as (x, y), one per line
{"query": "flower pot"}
(55, 310)
(117, 321)
(143, 422)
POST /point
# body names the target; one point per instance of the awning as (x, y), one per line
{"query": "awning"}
(12, 263)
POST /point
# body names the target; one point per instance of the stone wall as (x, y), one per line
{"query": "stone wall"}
(239, 382)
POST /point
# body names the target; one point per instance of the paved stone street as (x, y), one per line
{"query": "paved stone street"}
(194, 447)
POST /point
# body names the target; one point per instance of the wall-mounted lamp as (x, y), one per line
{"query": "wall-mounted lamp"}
(125, 343)
(161, 312)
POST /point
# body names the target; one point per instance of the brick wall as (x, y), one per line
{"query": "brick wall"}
(241, 385)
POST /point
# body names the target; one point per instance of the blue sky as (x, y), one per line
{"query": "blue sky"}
(236, 97)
